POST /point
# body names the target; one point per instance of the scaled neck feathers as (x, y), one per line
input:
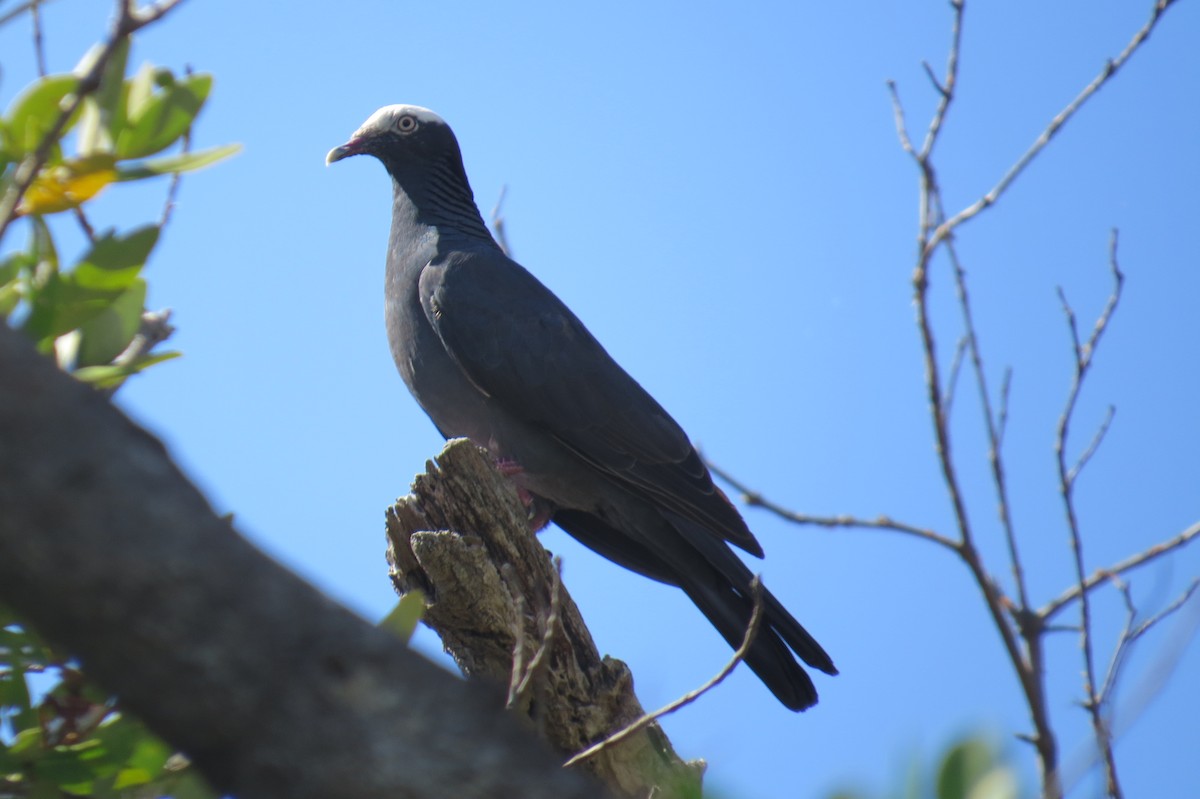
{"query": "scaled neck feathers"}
(436, 194)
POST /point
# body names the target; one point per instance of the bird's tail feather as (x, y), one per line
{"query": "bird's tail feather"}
(768, 656)
(718, 583)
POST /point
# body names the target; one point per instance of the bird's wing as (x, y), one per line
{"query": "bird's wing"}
(521, 346)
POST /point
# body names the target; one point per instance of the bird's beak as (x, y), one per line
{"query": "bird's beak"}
(352, 147)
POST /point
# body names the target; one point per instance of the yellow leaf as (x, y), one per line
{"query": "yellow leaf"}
(68, 185)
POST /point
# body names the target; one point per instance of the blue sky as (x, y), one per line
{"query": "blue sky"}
(719, 193)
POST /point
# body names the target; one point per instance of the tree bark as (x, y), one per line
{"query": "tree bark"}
(271, 688)
(463, 538)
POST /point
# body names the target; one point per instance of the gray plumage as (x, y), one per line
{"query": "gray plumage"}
(492, 355)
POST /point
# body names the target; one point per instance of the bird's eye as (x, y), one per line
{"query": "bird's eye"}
(406, 123)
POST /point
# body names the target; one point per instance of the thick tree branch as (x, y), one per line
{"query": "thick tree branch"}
(463, 538)
(271, 688)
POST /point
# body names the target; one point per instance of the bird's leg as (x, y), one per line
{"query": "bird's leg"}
(537, 509)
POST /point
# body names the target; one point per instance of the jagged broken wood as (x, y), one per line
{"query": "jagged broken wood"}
(462, 537)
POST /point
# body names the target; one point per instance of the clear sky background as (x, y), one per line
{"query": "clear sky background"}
(718, 192)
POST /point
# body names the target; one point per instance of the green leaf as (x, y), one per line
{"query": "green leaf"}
(8, 763)
(963, 767)
(14, 691)
(106, 335)
(11, 267)
(1000, 783)
(184, 162)
(402, 621)
(190, 785)
(42, 248)
(112, 376)
(114, 261)
(146, 759)
(139, 89)
(102, 113)
(27, 740)
(157, 122)
(67, 301)
(33, 113)
(64, 767)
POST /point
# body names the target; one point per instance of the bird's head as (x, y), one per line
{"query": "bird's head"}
(398, 135)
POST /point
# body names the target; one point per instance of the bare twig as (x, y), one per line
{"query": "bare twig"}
(898, 114)
(1110, 69)
(945, 90)
(1002, 418)
(755, 499)
(84, 224)
(935, 230)
(11, 15)
(1132, 632)
(142, 17)
(1051, 609)
(1151, 683)
(960, 349)
(518, 636)
(39, 47)
(524, 676)
(173, 188)
(686, 699)
(991, 424)
(498, 222)
(1067, 477)
(155, 328)
(1093, 445)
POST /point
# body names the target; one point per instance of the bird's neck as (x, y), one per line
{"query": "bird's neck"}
(439, 197)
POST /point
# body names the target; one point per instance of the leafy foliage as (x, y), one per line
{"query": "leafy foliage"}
(402, 620)
(71, 740)
(88, 314)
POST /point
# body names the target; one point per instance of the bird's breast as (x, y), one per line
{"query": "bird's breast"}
(434, 378)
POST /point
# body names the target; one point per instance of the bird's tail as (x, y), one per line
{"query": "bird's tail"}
(768, 656)
(718, 583)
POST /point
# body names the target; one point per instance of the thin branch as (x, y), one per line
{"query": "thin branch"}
(9, 16)
(1151, 682)
(901, 124)
(991, 425)
(1002, 417)
(155, 328)
(523, 678)
(960, 349)
(39, 47)
(498, 222)
(518, 635)
(1110, 69)
(1131, 632)
(755, 499)
(945, 90)
(648, 719)
(84, 224)
(176, 178)
(1051, 609)
(1093, 445)
(142, 17)
(1066, 476)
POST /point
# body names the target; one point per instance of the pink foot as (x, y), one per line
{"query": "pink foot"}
(537, 510)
